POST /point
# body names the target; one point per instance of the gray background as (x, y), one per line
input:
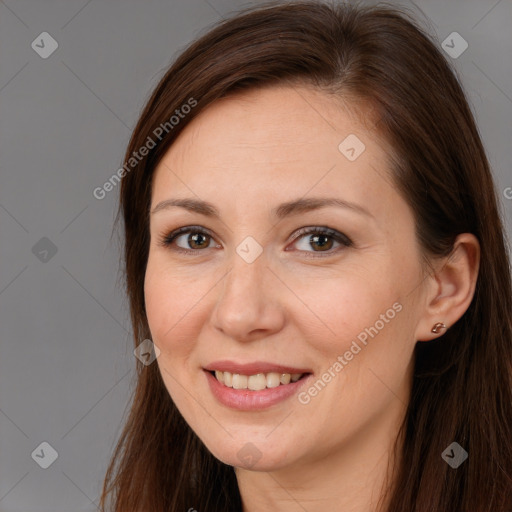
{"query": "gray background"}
(67, 367)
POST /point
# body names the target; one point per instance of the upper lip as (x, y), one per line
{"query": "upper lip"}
(252, 368)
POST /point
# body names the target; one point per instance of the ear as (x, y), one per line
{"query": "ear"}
(450, 287)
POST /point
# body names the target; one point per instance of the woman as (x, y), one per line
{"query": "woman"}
(314, 247)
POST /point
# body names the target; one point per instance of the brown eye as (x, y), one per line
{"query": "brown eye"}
(195, 240)
(320, 240)
(324, 242)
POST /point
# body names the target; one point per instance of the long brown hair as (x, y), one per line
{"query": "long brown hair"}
(462, 384)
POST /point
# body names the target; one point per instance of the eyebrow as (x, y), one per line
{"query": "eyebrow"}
(283, 210)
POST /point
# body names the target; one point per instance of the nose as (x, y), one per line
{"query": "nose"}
(249, 304)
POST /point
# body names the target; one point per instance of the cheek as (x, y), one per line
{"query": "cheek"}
(367, 345)
(343, 307)
(170, 300)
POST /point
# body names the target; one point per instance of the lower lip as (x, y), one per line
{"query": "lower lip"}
(247, 400)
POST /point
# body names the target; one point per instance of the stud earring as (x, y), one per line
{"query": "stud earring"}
(438, 326)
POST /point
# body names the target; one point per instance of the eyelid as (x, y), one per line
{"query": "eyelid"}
(323, 230)
(168, 239)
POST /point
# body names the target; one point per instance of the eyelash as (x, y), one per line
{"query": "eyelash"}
(168, 240)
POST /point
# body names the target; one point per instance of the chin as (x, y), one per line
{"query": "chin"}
(251, 454)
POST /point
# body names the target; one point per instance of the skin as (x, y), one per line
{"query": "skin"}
(247, 154)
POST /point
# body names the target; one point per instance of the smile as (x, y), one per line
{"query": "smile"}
(256, 382)
(250, 392)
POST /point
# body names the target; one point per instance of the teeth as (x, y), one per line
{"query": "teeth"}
(273, 380)
(239, 381)
(256, 382)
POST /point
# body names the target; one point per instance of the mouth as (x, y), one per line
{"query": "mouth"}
(255, 386)
(258, 381)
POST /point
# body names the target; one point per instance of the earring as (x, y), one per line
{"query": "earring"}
(438, 326)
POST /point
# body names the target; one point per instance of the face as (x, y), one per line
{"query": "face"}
(259, 283)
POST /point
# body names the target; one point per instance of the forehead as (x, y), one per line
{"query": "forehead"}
(273, 139)
(276, 119)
